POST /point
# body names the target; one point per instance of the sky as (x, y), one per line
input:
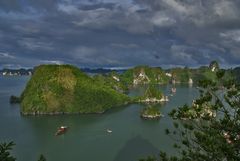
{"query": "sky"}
(119, 33)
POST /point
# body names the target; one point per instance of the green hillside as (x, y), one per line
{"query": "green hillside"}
(144, 75)
(181, 75)
(152, 92)
(112, 80)
(65, 89)
(236, 73)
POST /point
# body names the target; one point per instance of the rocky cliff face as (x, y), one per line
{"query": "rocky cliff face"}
(144, 75)
(214, 66)
(141, 78)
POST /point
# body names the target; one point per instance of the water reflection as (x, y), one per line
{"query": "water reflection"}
(136, 147)
(132, 137)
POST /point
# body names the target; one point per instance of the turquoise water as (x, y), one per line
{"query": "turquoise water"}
(87, 140)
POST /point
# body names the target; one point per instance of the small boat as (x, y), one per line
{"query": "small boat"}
(174, 90)
(109, 131)
(61, 130)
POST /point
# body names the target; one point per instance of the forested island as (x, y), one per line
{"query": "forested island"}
(151, 113)
(212, 120)
(65, 89)
(153, 95)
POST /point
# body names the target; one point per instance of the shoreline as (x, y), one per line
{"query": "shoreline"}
(151, 117)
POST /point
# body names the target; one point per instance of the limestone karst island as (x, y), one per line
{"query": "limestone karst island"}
(119, 80)
(65, 89)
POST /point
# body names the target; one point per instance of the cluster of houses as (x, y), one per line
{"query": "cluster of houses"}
(15, 72)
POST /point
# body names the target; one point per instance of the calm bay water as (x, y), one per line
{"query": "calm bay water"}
(87, 140)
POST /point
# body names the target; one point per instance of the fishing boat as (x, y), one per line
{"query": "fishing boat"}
(174, 90)
(61, 130)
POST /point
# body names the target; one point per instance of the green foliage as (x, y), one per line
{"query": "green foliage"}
(208, 137)
(204, 73)
(150, 111)
(152, 92)
(5, 155)
(112, 80)
(154, 75)
(236, 73)
(65, 89)
(150, 158)
(181, 75)
(127, 77)
(5, 149)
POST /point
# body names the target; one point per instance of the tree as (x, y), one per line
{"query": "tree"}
(5, 149)
(152, 92)
(202, 136)
(5, 155)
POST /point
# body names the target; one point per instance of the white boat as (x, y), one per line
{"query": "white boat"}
(174, 90)
(109, 131)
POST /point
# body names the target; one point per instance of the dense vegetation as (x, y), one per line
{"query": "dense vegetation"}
(208, 137)
(236, 73)
(135, 76)
(181, 75)
(153, 75)
(112, 79)
(150, 112)
(5, 152)
(152, 92)
(65, 89)
(210, 131)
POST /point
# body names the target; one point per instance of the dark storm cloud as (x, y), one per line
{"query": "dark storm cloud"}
(111, 33)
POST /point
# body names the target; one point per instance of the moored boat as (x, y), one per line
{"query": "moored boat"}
(61, 130)
(174, 90)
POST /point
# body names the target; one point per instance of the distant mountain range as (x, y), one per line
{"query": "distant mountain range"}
(22, 71)
(29, 71)
(66, 89)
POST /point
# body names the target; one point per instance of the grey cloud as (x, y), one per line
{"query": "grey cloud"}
(10, 5)
(120, 33)
(33, 44)
(6, 55)
(125, 46)
(232, 35)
